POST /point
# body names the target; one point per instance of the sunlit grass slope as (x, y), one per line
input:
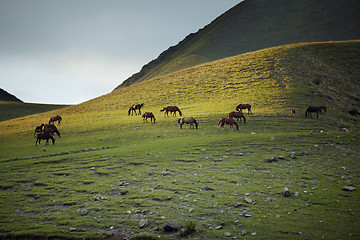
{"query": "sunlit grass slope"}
(108, 171)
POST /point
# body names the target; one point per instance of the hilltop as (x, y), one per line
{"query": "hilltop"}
(254, 24)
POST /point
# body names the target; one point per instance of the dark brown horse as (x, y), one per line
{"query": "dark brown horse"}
(50, 128)
(188, 120)
(247, 106)
(46, 136)
(55, 118)
(147, 115)
(135, 107)
(313, 109)
(237, 115)
(39, 128)
(172, 109)
(230, 121)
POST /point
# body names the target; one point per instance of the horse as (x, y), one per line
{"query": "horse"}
(39, 128)
(55, 118)
(237, 115)
(135, 107)
(188, 120)
(50, 128)
(311, 109)
(292, 113)
(244, 106)
(230, 121)
(44, 136)
(172, 109)
(147, 115)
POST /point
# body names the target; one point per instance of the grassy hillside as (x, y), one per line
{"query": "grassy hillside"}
(11, 110)
(255, 24)
(112, 176)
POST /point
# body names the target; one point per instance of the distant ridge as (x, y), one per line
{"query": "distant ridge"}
(5, 96)
(256, 24)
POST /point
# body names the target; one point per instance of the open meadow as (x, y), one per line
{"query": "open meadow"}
(113, 176)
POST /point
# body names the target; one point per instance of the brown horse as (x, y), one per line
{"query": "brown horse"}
(135, 107)
(50, 128)
(39, 128)
(188, 120)
(292, 113)
(237, 115)
(55, 118)
(230, 121)
(46, 136)
(172, 109)
(247, 106)
(147, 115)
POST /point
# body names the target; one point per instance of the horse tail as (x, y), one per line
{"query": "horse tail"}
(306, 112)
(179, 120)
(129, 111)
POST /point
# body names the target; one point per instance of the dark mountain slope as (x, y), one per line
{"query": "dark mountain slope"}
(5, 96)
(257, 24)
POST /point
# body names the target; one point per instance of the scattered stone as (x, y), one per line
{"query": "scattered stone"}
(72, 229)
(349, 188)
(248, 200)
(286, 192)
(245, 214)
(238, 205)
(272, 159)
(208, 188)
(243, 232)
(227, 234)
(292, 155)
(143, 223)
(123, 192)
(172, 226)
(281, 157)
(218, 227)
(84, 212)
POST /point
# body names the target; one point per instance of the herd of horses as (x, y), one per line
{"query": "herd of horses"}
(46, 131)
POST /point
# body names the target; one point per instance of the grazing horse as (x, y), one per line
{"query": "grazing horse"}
(147, 115)
(292, 113)
(311, 109)
(237, 115)
(55, 118)
(44, 136)
(50, 128)
(172, 109)
(135, 107)
(230, 121)
(39, 128)
(188, 120)
(244, 106)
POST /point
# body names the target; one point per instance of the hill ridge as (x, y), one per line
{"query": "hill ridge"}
(253, 25)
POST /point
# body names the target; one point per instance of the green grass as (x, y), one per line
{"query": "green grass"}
(109, 170)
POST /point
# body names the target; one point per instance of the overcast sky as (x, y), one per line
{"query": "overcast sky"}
(68, 52)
